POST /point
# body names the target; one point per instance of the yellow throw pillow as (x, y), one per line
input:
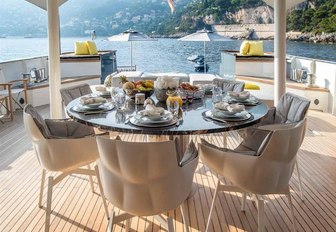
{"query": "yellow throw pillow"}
(244, 47)
(81, 48)
(92, 47)
(251, 86)
(256, 48)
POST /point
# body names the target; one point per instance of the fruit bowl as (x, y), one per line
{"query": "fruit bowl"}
(131, 92)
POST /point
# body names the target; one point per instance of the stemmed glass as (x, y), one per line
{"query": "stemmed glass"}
(118, 97)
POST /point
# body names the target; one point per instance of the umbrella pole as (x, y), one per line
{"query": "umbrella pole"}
(131, 54)
(204, 56)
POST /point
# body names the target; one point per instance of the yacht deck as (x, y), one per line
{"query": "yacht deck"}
(76, 208)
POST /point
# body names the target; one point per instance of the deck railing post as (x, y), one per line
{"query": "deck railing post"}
(54, 59)
(279, 49)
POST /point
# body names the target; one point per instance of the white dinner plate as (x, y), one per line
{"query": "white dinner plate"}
(82, 109)
(136, 122)
(165, 114)
(149, 120)
(232, 118)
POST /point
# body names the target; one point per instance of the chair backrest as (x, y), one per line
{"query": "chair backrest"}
(57, 154)
(291, 108)
(229, 85)
(274, 167)
(142, 178)
(71, 93)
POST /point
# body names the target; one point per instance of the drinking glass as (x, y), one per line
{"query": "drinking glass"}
(216, 94)
(119, 99)
(114, 92)
(172, 106)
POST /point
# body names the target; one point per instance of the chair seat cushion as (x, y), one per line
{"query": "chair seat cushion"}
(244, 151)
(64, 128)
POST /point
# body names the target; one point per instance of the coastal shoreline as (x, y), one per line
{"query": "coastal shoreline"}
(324, 38)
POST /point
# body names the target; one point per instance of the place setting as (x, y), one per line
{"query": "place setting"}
(243, 97)
(154, 117)
(93, 105)
(224, 112)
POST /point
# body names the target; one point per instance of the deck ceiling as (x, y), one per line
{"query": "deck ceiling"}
(43, 3)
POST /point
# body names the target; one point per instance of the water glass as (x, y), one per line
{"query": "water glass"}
(119, 99)
(172, 106)
(216, 94)
(114, 92)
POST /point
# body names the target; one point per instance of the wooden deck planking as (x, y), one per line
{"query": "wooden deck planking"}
(76, 208)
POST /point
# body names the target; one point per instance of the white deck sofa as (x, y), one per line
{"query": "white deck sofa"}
(138, 75)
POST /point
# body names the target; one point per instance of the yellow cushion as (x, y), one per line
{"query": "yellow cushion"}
(251, 86)
(81, 48)
(92, 47)
(244, 47)
(256, 48)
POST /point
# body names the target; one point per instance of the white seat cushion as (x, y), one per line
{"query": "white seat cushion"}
(201, 78)
(131, 76)
(183, 77)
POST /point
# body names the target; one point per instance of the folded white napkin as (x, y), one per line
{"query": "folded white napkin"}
(221, 105)
(236, 108)
(244, 94)
(100, 88)
(152, 110)
(91, 100)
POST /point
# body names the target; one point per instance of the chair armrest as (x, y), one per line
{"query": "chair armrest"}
(7, 85)
(232, 165)
(269, 117)
(25, 80)
(190, 154)
(280, 126)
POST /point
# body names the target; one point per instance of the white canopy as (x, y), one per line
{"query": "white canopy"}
(204, 35)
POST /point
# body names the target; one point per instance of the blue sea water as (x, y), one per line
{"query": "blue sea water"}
(164, 55)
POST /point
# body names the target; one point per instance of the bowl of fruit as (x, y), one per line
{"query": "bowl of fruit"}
(131, 88)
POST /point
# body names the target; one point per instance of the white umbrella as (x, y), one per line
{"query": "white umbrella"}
(205, 36)
(131, 36)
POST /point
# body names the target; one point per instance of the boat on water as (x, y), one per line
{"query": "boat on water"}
(199, 63)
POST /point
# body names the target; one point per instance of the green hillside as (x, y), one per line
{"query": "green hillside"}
(318, 17)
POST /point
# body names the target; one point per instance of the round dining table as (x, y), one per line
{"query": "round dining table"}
(192, 118)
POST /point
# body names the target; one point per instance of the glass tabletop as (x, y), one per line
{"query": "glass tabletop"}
(191, 118)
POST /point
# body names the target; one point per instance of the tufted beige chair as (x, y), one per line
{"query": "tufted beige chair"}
(70, 93)
(145, 179)
(229, 85)
(268, 172)
(290, 109)
(61, 146)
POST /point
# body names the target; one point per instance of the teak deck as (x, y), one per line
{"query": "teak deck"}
(76, 208)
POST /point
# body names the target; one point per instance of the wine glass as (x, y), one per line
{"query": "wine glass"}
(173, 106)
